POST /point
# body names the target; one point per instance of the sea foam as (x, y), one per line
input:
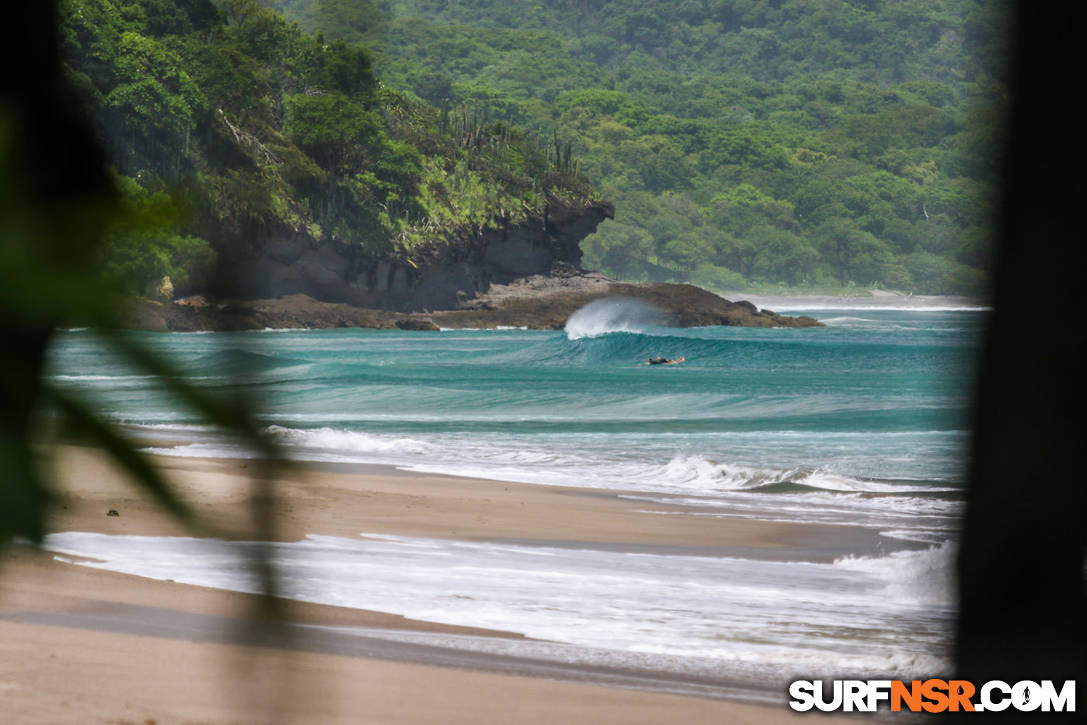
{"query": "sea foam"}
(879, 615)
(615, 314)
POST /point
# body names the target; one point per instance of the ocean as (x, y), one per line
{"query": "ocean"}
(862, 423)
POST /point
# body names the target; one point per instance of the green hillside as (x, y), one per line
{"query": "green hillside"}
(803, 142)
(227, 123)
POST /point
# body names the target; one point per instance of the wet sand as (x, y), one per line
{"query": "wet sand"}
(81, 645)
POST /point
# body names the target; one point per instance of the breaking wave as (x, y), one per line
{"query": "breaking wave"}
(616, 314)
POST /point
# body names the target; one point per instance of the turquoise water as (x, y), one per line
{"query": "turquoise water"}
(862, 422)
(867, 415)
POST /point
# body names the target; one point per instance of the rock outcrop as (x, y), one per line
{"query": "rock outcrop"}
(535, 302)
(547, 301)
(291, 311)
(440, 277)
(522, 275)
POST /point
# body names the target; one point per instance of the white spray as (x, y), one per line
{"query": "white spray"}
(613, 314)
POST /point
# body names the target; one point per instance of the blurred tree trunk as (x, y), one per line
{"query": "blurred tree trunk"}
(1021, 566)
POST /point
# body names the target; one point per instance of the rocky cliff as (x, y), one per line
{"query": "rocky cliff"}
(518, 275)
(442, 276)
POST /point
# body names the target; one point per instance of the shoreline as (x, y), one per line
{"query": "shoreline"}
(865, 299)
(44, 600)
(535, 303)
(352, 499)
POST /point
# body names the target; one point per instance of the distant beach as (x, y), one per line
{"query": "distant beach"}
(870, 299)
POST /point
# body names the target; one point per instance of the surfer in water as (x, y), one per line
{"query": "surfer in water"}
(664, 361)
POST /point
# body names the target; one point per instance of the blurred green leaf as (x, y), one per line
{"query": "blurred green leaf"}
(86, 422)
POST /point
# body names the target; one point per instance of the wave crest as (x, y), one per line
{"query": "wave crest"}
(614, 314)
(344, 441)
(918, 577)
(703, 475)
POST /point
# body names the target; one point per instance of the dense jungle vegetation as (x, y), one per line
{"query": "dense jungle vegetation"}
(226, 122)
(803, 142)
(811, 143)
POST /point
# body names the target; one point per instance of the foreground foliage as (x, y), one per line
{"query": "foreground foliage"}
(58, 209)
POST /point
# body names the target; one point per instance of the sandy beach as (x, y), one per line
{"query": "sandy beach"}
(82, 645)
(871, 299)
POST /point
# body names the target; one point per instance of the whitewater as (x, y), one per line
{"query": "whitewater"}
(862, 423)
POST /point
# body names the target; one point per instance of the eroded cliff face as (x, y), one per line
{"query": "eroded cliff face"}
(520, 275)
(443, 277)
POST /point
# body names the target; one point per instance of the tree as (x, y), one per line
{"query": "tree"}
(782, 256)
(143, 245)
(333, 129)
(154, 99)
(852, 254)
